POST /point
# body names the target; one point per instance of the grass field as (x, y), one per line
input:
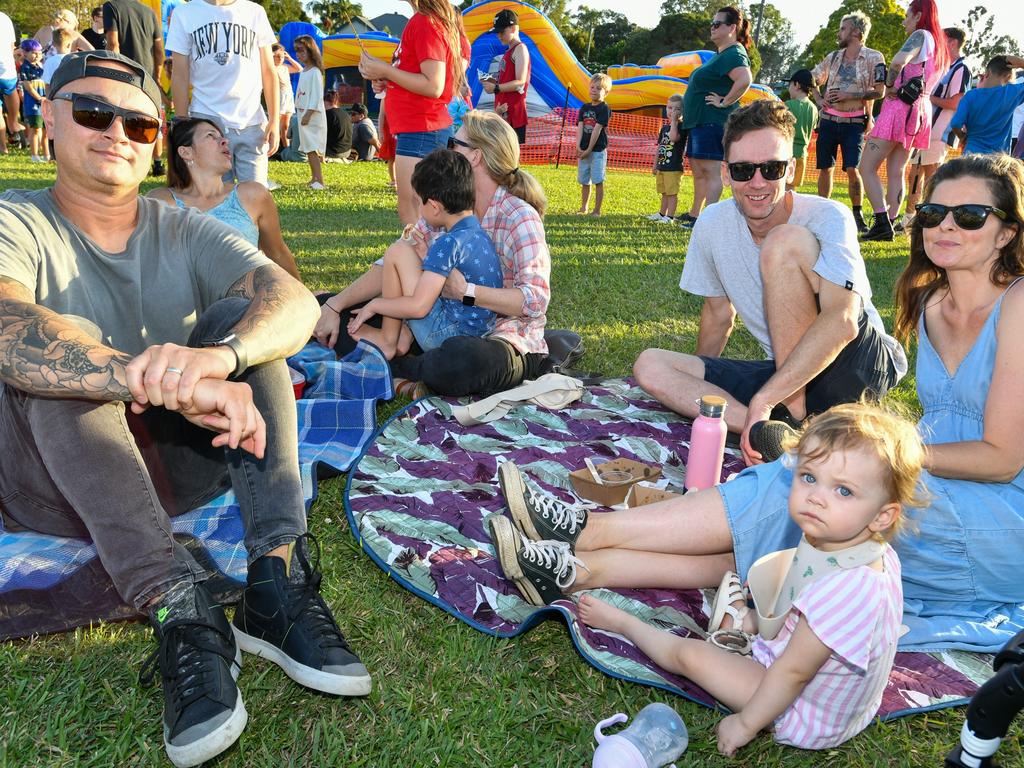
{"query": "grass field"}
(444, 694)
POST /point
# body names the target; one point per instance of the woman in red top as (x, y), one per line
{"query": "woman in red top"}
(427, 70)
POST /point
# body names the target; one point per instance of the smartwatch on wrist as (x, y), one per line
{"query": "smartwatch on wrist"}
(469, 297)
(232, 342)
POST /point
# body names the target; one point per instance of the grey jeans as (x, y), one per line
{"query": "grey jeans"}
(93, 469)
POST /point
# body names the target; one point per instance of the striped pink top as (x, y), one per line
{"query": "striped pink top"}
(857, 614)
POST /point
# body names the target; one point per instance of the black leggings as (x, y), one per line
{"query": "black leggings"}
(470, 365)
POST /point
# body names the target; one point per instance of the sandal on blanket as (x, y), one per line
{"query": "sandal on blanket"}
(733, 640)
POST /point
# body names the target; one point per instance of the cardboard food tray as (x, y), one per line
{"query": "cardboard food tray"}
(641, 495)
(614, 490)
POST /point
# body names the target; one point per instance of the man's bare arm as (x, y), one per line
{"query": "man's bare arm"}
(280, 318)
(45, 354)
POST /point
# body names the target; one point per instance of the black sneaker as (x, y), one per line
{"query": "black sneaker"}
(283, 618)
(858, 219)
(686, 221)
(770, 438)
(198, 662)
(881, 230)
(539, 516)
(541, 570)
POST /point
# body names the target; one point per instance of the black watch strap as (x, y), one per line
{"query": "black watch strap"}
(232, 342)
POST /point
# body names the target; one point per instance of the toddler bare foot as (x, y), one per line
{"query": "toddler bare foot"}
(601, 615)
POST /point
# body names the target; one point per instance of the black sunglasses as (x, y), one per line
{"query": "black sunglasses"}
(452, 141)
(772, 170)
(97, 115)
(969, 216)
(716, 24)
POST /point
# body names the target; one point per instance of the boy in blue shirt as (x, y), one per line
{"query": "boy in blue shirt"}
(30, 80)
(592, 142)
(412, 288)
(985, 114)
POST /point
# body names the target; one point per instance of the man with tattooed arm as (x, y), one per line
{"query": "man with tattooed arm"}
(142, 373)
(853, 76)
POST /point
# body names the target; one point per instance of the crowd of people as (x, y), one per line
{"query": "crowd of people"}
(172, 390)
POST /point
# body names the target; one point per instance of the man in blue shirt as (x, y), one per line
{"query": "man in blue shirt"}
(984, 114)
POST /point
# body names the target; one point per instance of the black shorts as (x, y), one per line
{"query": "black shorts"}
(833, 136)
(863, 367)
(521, 133)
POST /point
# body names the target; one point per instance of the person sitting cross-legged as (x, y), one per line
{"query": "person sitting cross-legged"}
(790, 265)
(142, 365)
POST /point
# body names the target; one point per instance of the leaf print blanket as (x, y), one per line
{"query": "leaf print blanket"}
(418, 497)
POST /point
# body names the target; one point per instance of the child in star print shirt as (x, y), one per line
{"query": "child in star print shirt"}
(415, 276)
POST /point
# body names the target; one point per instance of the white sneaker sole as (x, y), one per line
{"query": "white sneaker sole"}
(514, 490)
(504, 538)
(214, 743)
(300, 673)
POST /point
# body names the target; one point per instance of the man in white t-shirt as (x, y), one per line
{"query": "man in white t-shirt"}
(790, 266)
(8, 79)
(222, 50)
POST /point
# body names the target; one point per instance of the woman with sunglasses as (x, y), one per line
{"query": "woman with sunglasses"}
(510, 205)
(905, 122)
(198, 158)
(714, 89)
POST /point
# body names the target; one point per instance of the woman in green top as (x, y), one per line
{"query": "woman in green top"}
(710, 98)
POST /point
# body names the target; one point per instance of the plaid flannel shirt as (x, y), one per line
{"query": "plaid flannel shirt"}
(518, 235)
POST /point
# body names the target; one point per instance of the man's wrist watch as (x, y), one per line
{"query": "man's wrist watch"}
(469, 297)
(232, 342)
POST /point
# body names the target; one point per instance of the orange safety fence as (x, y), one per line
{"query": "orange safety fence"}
(632, 143)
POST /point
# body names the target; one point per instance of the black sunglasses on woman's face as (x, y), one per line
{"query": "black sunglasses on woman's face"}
(452, 141)
(968, 216)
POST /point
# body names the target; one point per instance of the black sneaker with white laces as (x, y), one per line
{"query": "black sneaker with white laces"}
(283, 618)
(198, 663)
(540, 517)
(542, 570)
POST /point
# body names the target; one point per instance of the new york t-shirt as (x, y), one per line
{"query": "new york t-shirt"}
(223, 45)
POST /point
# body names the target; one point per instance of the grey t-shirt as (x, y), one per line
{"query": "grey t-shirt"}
(723, 260)
(175, 265)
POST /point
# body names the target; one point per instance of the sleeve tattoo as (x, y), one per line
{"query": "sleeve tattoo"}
(43, 353)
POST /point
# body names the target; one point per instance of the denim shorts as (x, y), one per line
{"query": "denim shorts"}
(430, 331)
(592, 168)
(862, 366)
(8, 85)
(705, 142)
(421, 143)
(833, 136)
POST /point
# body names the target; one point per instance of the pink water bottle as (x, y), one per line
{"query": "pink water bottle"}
(707, 444)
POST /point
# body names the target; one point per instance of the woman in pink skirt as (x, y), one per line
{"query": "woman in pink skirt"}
(904, 123)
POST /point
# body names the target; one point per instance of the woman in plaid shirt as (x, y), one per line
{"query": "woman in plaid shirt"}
(510, 204)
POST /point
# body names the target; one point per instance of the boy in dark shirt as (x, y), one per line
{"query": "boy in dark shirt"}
(668, 160)
(592, 142)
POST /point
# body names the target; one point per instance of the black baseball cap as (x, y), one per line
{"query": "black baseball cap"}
(357, 108)
(803, 78)
(505, 19)
(76, 66)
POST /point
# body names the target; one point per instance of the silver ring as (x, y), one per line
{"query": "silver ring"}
(172, 370)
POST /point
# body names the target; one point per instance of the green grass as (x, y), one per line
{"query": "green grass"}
(444, 694)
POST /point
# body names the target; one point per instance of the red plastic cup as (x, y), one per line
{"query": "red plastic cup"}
(298, 382)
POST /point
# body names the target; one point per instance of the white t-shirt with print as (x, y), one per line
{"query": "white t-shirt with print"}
(223, 45)
(7, 69)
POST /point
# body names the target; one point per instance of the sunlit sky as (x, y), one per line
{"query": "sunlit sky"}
(807, 18)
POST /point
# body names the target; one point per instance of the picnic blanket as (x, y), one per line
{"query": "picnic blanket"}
(418, 497)
(49, 584)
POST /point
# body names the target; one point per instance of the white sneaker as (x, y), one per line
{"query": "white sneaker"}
(272, 185)
(665, 220)
(37, 159)
(655, 217)
(316, 185)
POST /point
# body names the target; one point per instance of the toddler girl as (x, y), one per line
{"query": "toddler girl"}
(819, 680)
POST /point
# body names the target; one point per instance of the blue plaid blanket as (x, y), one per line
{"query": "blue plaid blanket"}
(49, 584)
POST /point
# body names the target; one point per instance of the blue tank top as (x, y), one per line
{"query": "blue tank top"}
(231, 212)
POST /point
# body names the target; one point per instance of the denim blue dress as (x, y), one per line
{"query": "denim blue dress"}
(962, 554)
